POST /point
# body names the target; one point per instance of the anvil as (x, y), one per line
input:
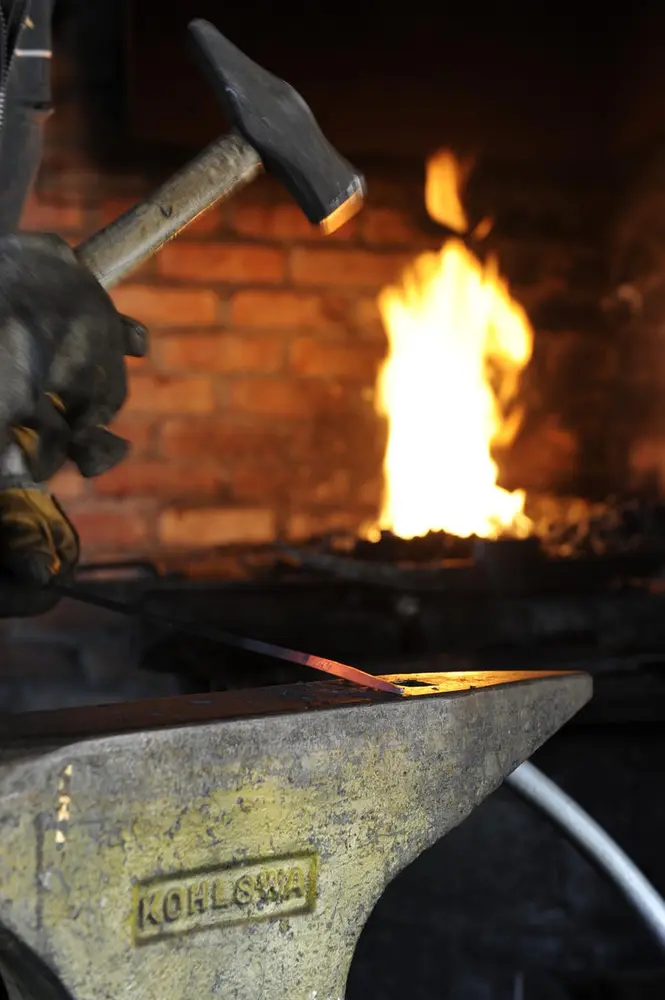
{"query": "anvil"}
(233, 845)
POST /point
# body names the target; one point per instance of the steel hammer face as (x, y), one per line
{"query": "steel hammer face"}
(238, 849)
(278, 124)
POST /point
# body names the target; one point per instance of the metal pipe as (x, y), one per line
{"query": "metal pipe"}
(587, 835)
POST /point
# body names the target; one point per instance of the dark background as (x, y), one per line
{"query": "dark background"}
(398, 79)
(519, 79)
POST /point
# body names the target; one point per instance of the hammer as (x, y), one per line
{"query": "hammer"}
(272, 129)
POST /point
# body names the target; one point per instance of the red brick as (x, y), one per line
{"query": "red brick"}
(370, 493)
(111, 527)
(282, 222)
(304, 525)
(231, 262)
(164, 306)
(68, 484)
(44, 216)
(169, 394)
(388, 225)
(135, 429)
(646, 457)
(261, 482)
(211, 526)
(113, 207)
(366, 319)
(219, 352)
(65, 177)
(543, 460)
(396, 191)
(162, 479)
(350, 268)
(187, 438)
(324, 486)
(136, 366)
(274, 397)
(206, 224)
(277, 309)
(350, 361)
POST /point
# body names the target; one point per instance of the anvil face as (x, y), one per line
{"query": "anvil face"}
(233, 845)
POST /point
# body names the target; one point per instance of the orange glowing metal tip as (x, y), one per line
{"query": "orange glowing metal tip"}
(343, 213)
(342, 670)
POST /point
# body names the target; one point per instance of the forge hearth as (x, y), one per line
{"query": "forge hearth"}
(560, 528)
(256, 415)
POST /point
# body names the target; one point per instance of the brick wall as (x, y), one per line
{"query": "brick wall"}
(550, 237)
(637, 257)
(254, 416)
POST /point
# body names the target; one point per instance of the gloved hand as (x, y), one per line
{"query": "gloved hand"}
(62, 380)
(38, 546)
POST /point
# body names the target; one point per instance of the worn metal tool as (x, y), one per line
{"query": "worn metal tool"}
(272, 128)
(233, 845)
(229, 639)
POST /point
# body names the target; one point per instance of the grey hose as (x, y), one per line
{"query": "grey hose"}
(532, 785)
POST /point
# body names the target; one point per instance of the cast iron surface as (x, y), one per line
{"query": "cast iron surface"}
(242, 856)
(504, 902)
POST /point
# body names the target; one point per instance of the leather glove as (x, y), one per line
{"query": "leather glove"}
(62, 348)
(38, 546)
(62, 380)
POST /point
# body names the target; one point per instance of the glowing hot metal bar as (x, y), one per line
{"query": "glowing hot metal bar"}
(343, 670)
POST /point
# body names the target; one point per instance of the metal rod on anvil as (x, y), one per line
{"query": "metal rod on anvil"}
(343, 670)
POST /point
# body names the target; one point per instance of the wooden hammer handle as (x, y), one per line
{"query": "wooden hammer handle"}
(224, 166)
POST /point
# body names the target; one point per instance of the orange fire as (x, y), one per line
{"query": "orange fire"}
(457, 344)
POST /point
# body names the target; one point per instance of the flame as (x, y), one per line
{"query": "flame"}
(457, 344)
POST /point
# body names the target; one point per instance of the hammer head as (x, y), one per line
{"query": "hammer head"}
(274, 119)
